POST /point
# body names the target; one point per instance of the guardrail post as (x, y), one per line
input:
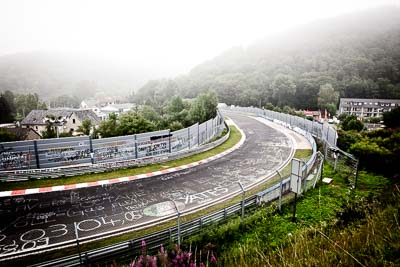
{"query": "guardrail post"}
(225, 214)
(36, 154)
(201, 223)
(198, 134)
(86, 259)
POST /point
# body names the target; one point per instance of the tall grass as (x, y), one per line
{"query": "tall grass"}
(335, 226)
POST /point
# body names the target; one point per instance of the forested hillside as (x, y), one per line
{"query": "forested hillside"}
(356, 55)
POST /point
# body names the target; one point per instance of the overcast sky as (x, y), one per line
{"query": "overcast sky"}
(173, 34)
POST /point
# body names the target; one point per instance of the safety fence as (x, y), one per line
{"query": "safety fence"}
(51, 158)
(325, 133)
(311, 174)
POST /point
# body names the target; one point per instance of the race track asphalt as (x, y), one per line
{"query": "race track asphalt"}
(44, 220)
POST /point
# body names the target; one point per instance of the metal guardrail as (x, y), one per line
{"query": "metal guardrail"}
(153, 241)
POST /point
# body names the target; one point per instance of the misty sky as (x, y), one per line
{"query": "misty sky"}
(172, 34)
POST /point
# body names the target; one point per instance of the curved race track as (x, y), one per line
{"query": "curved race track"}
(41, 221)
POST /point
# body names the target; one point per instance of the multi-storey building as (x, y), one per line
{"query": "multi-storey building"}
(366, 108)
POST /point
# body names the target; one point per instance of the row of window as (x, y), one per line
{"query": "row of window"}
(370, 103)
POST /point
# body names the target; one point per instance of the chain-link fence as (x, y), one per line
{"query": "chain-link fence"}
(77, 155)
(323, 131)
(345, 162)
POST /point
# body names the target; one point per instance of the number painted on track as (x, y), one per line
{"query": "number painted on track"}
(31, 233)
(62, 229)
(78, 225)
(132, 216)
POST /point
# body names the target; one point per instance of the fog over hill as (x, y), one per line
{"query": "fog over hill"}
(52, 74)
(358, 54)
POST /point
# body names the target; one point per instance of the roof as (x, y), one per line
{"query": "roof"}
(311, 112)
(21, 133)
(36, 117)
(118, 107)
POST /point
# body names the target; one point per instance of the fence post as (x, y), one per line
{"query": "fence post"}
(136, 150)
(212, 128)
(280, 190)
(198, 134)
(188, 137)
(327, 134)
(91, 149)
(357, 167)
(77, 243)
(36, 154)
(179, 223)
(206, 131)
(243, 198)
(336, 156)
(169, 141)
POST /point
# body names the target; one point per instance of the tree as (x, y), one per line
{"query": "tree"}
(204, 107)
(65, 101)
(175, 105)
(175, 125)
(149, 113)
(25, 103)
(50, 131)
(7, 136)
(5, 110)
(108, 127)
(10, 98)
(392, 118)
(351, 123)
(133, 123)
(85, 127)
(284, 89)
(328, 98)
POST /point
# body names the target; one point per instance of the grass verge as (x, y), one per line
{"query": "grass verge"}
(335, 227)
(232, 140)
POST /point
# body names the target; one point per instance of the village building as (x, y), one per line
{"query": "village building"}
(65, 120)
(367, 108)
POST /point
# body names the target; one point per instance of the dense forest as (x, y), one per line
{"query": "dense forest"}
(355, 55)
